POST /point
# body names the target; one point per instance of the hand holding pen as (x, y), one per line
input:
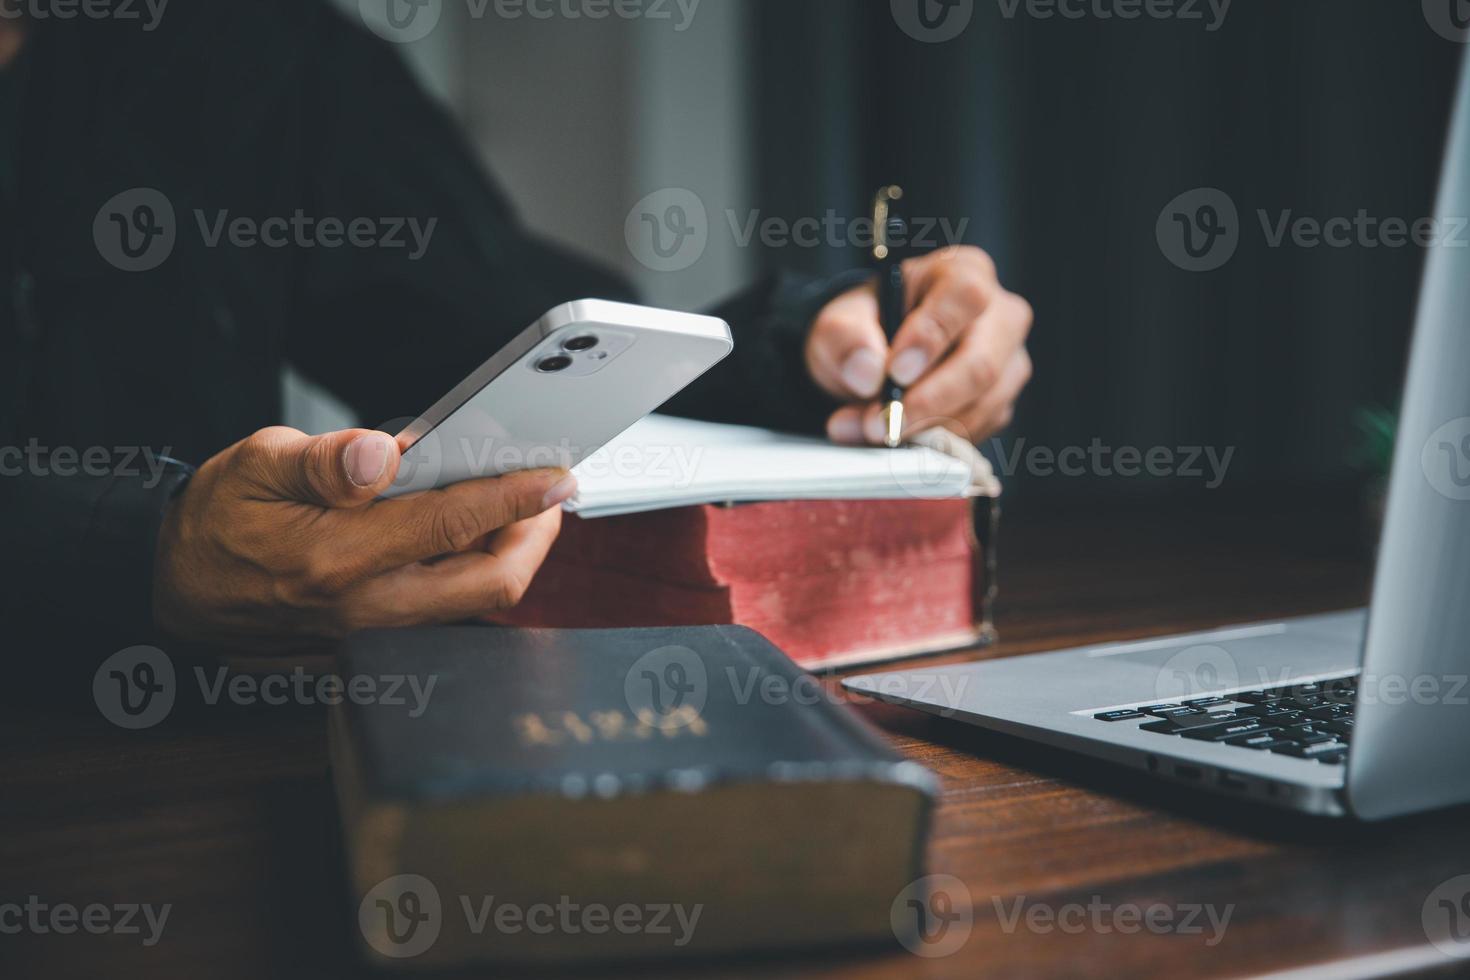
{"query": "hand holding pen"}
(937, 335)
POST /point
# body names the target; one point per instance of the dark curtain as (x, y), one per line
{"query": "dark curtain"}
(1061, 141)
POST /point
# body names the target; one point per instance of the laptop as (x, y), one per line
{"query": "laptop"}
(1362, 714)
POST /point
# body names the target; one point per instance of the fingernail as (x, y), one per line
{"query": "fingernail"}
(845, 428)
(560, 493)
(863, 372)
(909, 366)
(873, 428)
(366, 458)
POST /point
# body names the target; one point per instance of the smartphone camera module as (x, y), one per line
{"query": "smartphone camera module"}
(581, 351)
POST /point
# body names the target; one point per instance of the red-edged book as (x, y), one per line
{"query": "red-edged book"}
(903, 565)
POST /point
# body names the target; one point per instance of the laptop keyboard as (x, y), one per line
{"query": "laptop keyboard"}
(1305, 721)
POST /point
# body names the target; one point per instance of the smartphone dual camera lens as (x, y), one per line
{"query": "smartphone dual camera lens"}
(560, 362)
(553, 364)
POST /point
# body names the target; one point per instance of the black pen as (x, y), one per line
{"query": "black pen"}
(889, 233)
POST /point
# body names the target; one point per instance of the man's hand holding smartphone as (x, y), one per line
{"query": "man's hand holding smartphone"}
(282, 539)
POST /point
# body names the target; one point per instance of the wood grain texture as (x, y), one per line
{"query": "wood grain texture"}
(227, 813)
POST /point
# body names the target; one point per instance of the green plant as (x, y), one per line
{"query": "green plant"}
(1377, 428)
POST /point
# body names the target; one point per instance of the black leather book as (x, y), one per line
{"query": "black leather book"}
(532, 795)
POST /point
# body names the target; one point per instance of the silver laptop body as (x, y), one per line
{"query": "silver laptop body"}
(1398, 669)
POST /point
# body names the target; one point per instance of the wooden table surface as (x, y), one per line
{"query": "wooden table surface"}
(229, 816)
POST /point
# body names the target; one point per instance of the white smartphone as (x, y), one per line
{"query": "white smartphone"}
(559, 392)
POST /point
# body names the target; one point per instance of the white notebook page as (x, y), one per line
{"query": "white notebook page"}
(665, 462)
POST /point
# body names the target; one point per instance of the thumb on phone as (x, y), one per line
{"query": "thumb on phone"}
(334, 471)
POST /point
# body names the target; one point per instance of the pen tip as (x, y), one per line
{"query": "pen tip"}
(893, 424)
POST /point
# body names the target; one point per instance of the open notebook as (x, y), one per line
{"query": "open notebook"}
(665, 462)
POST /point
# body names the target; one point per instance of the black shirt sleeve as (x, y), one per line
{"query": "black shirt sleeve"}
(81, 536)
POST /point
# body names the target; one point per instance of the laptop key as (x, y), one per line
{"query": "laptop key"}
(1340, 728)
(1309, 736)
(1332, 758)
(1263, 738)
(1313, 751)
(1175, 724)
(1330, 712)
(1315, 739)
(1208, 702)
(1231, 729)
(1122, 715)
(1269, 711)
(1180, 712)
(1256, 697)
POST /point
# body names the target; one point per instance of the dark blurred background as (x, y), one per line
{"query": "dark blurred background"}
(1057, 141)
